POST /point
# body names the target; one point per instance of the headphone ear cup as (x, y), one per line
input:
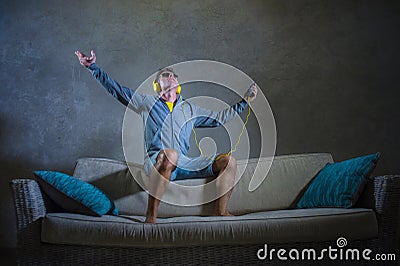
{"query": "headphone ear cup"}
(156, 87)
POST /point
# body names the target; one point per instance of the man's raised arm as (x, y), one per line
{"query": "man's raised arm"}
(210, 118)
(121, 93)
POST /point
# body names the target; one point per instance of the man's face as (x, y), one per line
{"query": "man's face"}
(168, 81)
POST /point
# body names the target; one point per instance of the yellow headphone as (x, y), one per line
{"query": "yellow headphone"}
(157, 87)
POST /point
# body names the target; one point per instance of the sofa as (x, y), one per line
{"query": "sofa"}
(265, 219)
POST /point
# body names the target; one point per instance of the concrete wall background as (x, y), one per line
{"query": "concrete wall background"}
(328, 68)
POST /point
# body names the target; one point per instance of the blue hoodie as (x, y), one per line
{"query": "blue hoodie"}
(162, 128)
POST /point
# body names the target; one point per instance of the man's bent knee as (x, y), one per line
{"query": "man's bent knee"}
(227, 161)
(167, 160)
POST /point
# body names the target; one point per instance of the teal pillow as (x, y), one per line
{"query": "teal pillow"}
(75, 195)
(339, 184)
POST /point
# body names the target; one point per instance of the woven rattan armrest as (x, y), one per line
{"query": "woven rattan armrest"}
(28, 201)
(387, 206)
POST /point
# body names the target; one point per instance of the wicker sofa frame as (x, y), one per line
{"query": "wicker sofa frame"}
(381, 194)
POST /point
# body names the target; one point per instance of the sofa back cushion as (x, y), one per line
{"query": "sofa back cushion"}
(287, 177)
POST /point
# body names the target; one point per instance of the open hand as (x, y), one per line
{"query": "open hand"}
(85, 60)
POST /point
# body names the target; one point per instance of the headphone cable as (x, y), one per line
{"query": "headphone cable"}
(237, 142)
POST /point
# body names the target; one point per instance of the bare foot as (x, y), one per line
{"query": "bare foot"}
(150, 220)
(225, 213)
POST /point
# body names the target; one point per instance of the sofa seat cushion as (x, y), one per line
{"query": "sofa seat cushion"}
(284, 226)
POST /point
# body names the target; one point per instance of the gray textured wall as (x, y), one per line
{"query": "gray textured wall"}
(328, 68)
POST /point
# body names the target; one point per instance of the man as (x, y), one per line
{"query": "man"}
(167, 133)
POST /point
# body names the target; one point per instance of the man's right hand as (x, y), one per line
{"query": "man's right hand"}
(85, 60)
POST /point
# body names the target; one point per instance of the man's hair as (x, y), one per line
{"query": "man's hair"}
(169, 69)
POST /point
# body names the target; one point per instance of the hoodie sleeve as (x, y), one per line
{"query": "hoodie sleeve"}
(123, 94)
(209, 118)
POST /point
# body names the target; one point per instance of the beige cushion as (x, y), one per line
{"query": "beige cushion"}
(287, 177)
(286, 226)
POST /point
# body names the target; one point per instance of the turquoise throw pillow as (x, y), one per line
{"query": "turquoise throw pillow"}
(75, 195)
(339, 184)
